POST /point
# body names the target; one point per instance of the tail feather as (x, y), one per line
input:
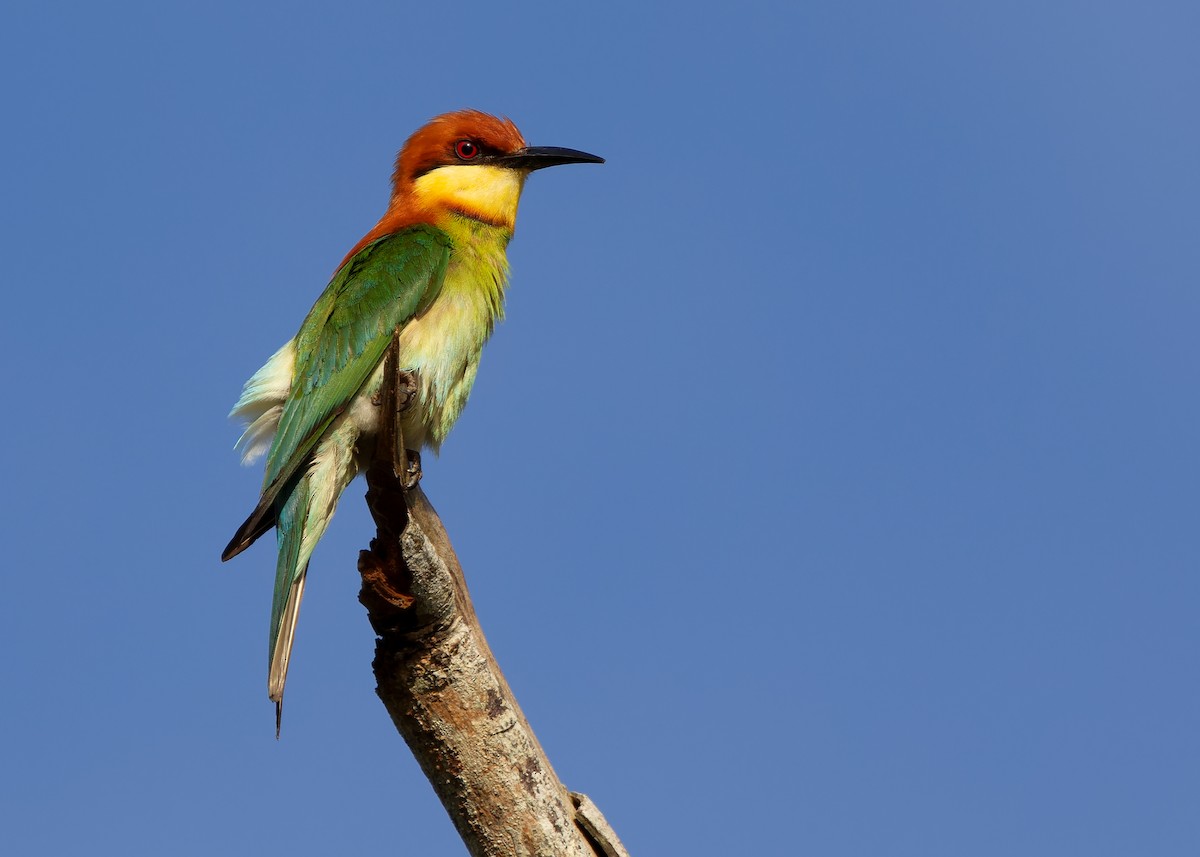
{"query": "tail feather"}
(281, 647)
(290, 572)
(301, 521)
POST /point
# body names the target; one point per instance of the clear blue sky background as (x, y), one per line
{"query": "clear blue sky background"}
(830, 489)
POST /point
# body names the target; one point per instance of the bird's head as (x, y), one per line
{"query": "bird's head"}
(472, 164)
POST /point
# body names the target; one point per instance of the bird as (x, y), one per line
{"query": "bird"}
(432, 273)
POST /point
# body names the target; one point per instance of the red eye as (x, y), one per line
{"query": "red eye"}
(466, 149)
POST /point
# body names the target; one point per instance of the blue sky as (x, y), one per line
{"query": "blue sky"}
(831, 487)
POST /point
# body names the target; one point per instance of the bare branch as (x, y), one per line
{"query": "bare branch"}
(442, 686)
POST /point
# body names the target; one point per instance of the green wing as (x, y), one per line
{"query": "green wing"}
(340, 344)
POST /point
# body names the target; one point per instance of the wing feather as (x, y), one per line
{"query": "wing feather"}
(343, 339)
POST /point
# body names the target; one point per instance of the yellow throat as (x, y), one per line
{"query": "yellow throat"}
(482, 192)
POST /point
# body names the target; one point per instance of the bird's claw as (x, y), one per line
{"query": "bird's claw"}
(412, 470)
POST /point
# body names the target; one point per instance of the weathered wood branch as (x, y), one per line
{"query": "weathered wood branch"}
(442, 686)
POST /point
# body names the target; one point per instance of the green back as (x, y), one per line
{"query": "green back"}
(346, 333)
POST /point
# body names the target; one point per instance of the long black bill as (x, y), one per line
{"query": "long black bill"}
(537, 157)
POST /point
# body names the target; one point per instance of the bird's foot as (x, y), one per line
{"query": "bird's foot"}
(412, 472)
(406, 389)
(402, 394)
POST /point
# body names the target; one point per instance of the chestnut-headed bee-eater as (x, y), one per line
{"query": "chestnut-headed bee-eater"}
(434, 269)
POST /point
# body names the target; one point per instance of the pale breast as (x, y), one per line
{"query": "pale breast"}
(443, 345)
